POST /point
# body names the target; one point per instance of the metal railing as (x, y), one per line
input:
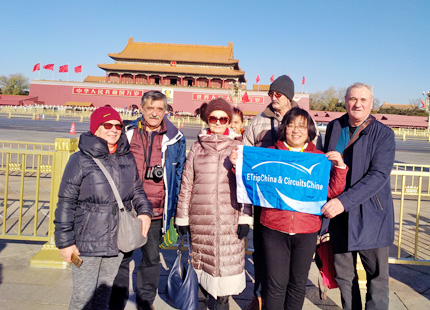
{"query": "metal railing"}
(412, 207)
(412, 180)
(30, 175)
(31, 160)
(412, 133)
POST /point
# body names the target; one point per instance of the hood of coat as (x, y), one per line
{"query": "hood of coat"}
(217, 142)
(94, 146)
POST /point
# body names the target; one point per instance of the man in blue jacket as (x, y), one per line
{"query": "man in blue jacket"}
(159, 150)
(362, 217)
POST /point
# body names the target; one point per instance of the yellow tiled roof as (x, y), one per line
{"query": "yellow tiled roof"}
(261, 87)
(177, 52)
(171, 69)
(90, 78)
(397, 106)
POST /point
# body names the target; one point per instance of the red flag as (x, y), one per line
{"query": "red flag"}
(49, 67)
(423, 104)
(64, 68)
(36, 67)
(245, 98)
(78, 69)
(257, 79)
(303, 80)
(272, 78)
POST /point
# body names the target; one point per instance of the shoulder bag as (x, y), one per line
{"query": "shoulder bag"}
(182, 283)
(129, 226)
(325, 264)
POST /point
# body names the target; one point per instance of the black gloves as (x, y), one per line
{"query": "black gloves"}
(183, 230)
(242, 231)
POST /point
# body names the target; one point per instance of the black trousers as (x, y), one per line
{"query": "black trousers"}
(148, 273)
(258, 255)
(375, 263)
(288, 260)
(207, 301)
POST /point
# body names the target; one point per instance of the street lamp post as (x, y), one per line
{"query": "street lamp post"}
(236, 93)
(427, 109)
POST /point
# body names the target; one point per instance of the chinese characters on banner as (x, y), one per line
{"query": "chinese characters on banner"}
(208, 97)
(107, 92)
(139, 93)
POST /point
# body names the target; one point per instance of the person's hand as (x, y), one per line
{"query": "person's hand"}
(146, 223)
(242, 231)
(66, 253)
(233, 156)
(332, 208)
(336, 158)
(183, 230)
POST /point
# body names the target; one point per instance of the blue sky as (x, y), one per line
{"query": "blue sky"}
(330, 42)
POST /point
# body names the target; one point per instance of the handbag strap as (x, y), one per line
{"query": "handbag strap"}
(181, 238)
(112, 184)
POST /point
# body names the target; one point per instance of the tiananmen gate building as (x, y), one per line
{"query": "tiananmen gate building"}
(188, 74)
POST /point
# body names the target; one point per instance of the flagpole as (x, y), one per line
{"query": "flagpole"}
(53, 69)
(82, 67)
(67, 72)
(39, 69)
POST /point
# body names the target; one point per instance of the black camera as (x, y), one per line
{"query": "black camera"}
(154, 173)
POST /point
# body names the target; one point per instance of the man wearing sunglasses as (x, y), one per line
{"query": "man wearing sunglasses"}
(159, 150)
(263, 132)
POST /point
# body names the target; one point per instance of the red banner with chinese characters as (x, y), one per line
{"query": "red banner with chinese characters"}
(208, 97)
(107, 92)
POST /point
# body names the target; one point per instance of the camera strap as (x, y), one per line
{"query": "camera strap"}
(150, 138)
(143, 147)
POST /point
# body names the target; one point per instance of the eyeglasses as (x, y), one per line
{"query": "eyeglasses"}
(276, 94)
(299, 127)
(108, 126)
(222, 120)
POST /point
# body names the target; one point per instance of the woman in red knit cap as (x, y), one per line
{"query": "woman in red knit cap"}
(86, 218)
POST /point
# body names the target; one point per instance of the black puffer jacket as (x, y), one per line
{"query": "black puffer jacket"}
(87, 211)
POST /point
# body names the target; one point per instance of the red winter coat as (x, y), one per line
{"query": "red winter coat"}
(298, 222)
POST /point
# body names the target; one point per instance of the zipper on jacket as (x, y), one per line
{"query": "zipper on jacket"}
(379, 202)
(218, 264)
(292, 222)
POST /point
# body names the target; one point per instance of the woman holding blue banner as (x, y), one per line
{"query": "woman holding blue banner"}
(289, 235)
(208, 208)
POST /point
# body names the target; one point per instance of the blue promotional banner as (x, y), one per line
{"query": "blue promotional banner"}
(285, 180)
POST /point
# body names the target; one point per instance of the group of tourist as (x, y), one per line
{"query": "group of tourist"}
(197, 193)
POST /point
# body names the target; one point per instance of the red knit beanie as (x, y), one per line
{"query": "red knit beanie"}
(218, 104)
(102, 115)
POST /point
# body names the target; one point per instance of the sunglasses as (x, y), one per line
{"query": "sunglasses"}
(276, 94)
(108, 126)
(222, 120)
